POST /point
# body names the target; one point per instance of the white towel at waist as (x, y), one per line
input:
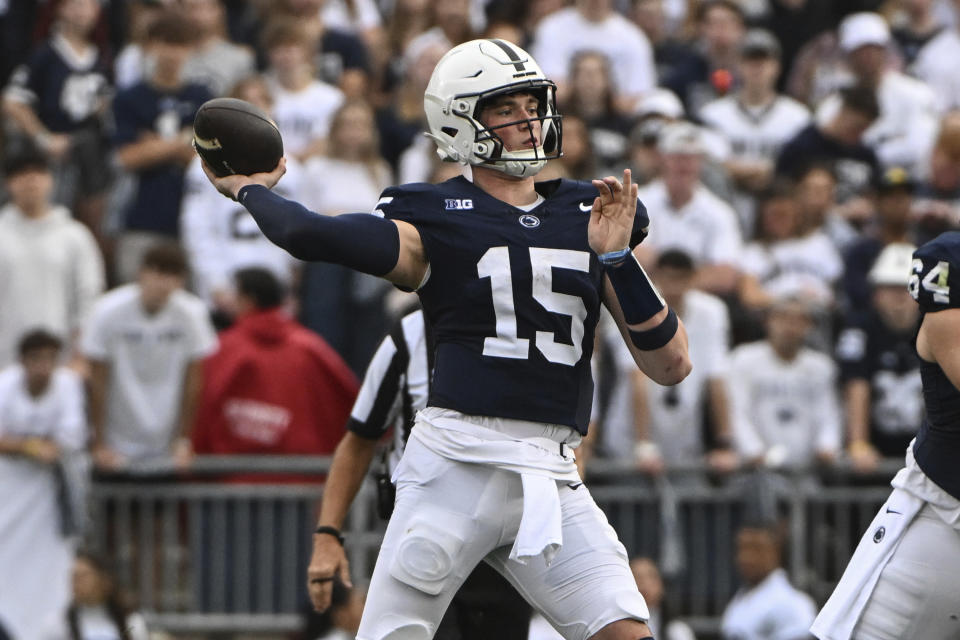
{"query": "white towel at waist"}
(532, 450)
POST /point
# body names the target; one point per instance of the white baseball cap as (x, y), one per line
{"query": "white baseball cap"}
(681, 137)
(659, 102)
(893, 266)
(860, 29)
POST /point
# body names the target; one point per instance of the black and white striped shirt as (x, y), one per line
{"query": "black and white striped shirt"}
(395, 385)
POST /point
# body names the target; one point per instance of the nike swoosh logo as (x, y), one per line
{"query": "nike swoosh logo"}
(575, 485)
(889, 510)
(586, 206)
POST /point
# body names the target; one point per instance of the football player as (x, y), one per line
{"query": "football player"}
(902, 579)
(511, 274)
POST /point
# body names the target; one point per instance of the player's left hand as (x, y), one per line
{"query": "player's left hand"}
(611, 219)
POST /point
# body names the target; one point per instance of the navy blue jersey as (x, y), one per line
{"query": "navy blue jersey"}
(141, 109)
(513, 296)
(64, 91)
(935, 286)
(868, 349)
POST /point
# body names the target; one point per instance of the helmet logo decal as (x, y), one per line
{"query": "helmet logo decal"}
(530, 221)
(517, 64)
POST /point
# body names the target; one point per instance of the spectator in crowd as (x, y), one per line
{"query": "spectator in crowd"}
(220, 236)
(783, 394)
(154, 129)
(669, 51)
(838, 142)
(593, 98)
(451, 24)
(676, 429)
(131, 65)
(595, 25)
(892, 223)
(755, 120)
(216, 63)
(690, 217)
(145, 343)
(273, 387)
(401, 121)
(786, 256)
(653, 112)
(302, 105)
(41, 419)
(904, 131)
(339, 57)
(405, 20)
(50, 268)
(796, 22)
(879, 367)
(817, 198)
(766, 605)
(935, 62)
(710, 74)
(579, 160)
(650, 583)
(916, 28)
(57, 99)
(937, 204)
(99, 609)
(344, 306)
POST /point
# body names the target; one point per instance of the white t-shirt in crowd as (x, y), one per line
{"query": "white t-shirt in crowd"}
(772, 610)
(303, 116)
(35, 558)
(148, 356)
(810, 265)
(675, 412)
(904, 133)
(706, 227)
(936, 64)
(323, 185)
(789, 405)
(51, 271)
(755, 134)
(221, 236)
(564, 33)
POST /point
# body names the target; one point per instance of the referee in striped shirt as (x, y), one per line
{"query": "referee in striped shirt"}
(394, 388)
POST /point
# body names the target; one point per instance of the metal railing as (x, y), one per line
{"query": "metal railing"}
(203, 556)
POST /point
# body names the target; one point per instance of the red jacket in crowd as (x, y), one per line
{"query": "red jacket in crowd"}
(273, 387)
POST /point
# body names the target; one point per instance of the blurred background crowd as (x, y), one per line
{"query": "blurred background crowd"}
(791, 154)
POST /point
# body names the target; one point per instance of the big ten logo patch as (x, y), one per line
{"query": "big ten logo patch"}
(457, 204)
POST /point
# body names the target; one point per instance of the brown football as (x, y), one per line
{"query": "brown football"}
(235, 136)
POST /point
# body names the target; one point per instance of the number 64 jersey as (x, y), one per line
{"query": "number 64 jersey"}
(512, 295)
(935, 286)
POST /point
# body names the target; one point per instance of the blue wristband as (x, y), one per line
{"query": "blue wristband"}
(653, 339)
(637, 296)
(613, 258)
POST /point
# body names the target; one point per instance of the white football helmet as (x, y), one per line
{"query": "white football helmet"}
(465, 77)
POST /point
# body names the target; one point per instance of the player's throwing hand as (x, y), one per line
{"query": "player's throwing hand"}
(230, 185)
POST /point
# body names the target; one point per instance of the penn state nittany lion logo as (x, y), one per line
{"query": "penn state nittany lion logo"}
(529, 221)
(879, 533)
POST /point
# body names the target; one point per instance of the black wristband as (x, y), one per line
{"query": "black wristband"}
(657, 337)
(331, 531)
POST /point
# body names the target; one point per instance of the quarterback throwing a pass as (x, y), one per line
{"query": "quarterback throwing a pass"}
(511, 274)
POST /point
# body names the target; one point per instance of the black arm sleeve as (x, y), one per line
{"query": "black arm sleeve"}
(361, 241)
